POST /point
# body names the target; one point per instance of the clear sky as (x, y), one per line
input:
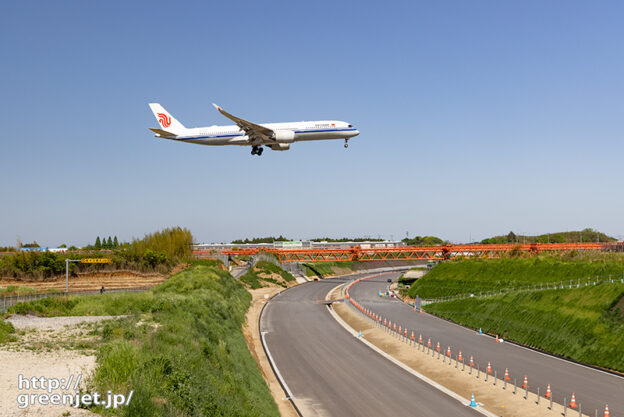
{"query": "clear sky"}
(476, 118)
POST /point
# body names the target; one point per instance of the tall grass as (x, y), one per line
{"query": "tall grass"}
(6, 332)
(575, 323)
(474, 275)
(181, 348)
(175, 242)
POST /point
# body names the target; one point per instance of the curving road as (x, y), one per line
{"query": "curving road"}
(593, 388)
(330, 373)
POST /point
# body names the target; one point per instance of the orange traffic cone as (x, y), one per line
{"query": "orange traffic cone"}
(385, 322)
(525, 384)
(438, 347)
(459, 358)
(489, 370)
(420, 339)
(548, 393)
(400, 329)
(412, 335)
(420, 310)
(395, 327)
(507, 374)
(573, 403)
(606, 414)
(405, 333)
(429, 342)
(496, 339)
(448, 351)
(471, 362)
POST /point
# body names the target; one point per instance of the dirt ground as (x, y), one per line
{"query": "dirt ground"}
(495, 399)
(91, 281)
(44, 347)
(252, 335)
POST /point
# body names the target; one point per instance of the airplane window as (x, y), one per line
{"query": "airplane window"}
(350, 125)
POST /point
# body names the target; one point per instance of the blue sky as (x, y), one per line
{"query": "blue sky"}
(476, 118)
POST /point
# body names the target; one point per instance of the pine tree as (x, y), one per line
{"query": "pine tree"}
(115, 242)
(98, 244)
(109, 243)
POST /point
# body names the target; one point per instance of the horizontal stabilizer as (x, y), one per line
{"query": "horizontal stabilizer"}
(163, 133)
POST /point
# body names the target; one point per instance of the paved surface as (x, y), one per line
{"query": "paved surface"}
(593, 388)
(330, 373)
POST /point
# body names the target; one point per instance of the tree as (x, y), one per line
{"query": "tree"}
(109, 243)
(512, 238)
(98, 244)
(115, 242)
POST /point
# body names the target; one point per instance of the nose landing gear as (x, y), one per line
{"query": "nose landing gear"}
(346, 145)
(257, 150)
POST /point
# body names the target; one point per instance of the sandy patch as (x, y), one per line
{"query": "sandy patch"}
(252, 336)
(495, 398)
(40, 351)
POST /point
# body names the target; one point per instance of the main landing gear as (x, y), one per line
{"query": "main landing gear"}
(257, 150)
(346, 145)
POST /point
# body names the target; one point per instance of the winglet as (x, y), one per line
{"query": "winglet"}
(217, 107)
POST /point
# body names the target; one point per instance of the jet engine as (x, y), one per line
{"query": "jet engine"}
(280, 146)
(284, 136)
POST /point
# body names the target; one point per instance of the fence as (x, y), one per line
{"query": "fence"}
(24, 298)
(578, 283)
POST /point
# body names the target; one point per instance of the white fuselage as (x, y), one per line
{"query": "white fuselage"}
(233, 135)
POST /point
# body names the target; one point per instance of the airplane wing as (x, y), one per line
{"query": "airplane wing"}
(254, 131)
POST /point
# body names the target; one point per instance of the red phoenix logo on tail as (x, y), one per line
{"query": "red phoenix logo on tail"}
(164, 120)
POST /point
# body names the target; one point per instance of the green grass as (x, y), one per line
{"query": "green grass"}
(6, 332)
(254, 280)
(327, 268)
(580, 324)
(181, 348)
(474, 275)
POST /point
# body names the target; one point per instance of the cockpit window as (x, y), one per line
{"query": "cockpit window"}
(350, 125)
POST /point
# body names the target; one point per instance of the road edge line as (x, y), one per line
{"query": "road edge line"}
(267, 352)
(402, 365)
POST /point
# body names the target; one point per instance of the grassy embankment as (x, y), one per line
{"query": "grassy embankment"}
(266, 272)
(181, 348)
(324, 269)
(471, 276)
(584, 324)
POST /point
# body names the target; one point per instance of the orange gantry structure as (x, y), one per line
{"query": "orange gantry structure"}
(405, 253)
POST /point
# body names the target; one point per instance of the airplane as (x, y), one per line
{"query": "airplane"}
(277, 136)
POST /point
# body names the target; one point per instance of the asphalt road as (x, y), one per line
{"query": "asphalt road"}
(593, 388)
(330, 373)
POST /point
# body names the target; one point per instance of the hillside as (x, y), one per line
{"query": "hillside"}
(180, 347)
(579, 324)
(465, 276)
(585, 324)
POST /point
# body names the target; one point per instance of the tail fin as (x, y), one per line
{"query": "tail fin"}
(166, 120)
